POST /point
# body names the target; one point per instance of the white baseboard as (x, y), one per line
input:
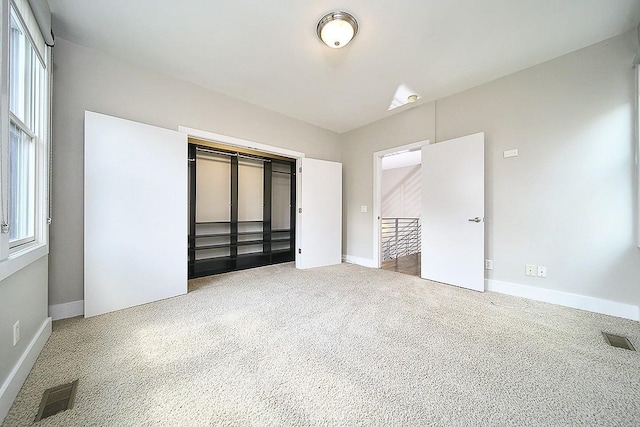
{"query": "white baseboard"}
(66, 310)
(365, 262)
(18, 375)
(596, 305)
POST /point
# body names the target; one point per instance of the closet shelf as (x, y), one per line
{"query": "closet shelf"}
(229, 222)
(230, 245)
(212, 222)
(242, 233)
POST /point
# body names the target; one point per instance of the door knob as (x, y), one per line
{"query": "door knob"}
(476, 219)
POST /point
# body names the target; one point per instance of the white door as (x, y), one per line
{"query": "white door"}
(320, 222)
(453, 212)
(135, 214)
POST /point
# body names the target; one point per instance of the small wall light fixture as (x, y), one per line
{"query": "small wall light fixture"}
(337, 28)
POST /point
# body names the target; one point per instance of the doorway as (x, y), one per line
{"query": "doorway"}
(452, 214)
(241, 208)
(318, 192)
(397, 208)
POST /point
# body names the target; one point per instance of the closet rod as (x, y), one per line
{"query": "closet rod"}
(224, 153)
(284, 173)
(253, 158)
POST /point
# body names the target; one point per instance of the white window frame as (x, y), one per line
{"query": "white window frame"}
(20, 254)
(637, 144)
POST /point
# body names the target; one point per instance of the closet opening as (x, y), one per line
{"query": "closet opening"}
(241, 208)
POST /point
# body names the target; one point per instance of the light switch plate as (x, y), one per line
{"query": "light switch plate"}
(510, 153)
(363, 208)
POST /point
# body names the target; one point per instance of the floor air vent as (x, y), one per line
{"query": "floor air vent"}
(57, 399)
(618, 341)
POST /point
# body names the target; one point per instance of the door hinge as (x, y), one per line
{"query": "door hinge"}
(300, 251)
(299, 210)
(300, 169)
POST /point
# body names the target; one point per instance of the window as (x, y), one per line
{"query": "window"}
(24, 145)
(22, 195)
(26, 77)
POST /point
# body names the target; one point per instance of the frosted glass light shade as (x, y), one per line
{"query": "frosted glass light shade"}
(337, 29)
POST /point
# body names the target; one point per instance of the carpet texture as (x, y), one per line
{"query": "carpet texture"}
(338, 346)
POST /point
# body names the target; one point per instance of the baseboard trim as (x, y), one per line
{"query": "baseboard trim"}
(365, 262)
(21, 370)
(66, 310)
(596, 305)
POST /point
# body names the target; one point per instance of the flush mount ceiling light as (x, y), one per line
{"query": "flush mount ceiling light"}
(336, 29)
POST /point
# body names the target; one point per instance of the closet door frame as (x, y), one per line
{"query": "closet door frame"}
(235, 260)
(251, 145)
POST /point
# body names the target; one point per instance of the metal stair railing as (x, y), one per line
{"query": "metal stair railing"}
(399, 237)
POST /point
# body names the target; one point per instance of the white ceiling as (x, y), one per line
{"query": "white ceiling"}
(267, 53)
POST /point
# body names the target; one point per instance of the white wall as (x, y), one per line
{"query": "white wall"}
(401, 190)
(85, 79)
(567, 201)
(23, 297)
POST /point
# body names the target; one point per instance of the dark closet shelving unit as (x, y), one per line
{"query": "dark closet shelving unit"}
(222, 246)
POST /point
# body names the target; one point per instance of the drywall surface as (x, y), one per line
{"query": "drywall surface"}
(566, 201)
(23, 297)
(412, 125)
(85, 79)
(401, 190)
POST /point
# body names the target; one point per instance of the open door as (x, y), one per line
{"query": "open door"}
(320, 214)
(135, 214)
(453, 212)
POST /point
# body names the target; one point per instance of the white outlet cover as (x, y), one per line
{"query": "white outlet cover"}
(530, 270)
(363, 208)
(16, 332)
(542, 271)
(488, 264)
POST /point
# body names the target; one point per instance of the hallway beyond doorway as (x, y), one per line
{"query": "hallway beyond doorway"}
(408, 264)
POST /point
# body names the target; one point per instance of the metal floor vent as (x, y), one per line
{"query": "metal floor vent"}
(57, 399)
(618, 341)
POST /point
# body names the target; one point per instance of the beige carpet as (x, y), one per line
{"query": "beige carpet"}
(338, 346)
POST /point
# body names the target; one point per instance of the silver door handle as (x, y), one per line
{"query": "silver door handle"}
(476, 219)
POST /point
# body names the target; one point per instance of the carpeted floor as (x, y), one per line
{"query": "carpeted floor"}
(338, 346)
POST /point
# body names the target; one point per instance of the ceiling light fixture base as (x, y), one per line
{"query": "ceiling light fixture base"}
(336, 29)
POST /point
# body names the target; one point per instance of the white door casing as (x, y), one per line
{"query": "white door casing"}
(453, 212)
(377, 194)
(135, 222)
(320, 224)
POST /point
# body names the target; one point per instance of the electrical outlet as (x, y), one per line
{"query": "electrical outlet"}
(16, 332)
(530, 270)
(542, 271)
(488, 264)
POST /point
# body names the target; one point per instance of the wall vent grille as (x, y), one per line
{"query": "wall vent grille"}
(618, 341)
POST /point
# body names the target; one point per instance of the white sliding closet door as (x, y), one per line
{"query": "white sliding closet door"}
(321, 218)
(135, 206)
